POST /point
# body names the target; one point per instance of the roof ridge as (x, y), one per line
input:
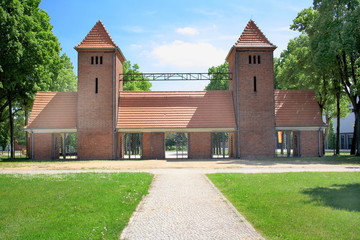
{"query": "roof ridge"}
(98, 37)
(252, 36)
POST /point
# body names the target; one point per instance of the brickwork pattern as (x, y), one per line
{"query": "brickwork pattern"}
(95, 145)
(45, 146)
(256, 118)
(310, 143)
(153, 145)
(199, 145)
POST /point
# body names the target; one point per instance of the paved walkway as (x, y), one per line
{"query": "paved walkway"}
(185, 205)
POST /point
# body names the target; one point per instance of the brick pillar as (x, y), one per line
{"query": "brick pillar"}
(199, 145)
(45, 147)
(153, 145)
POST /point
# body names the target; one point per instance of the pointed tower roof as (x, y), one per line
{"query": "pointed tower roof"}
(253, 37)
(98, 38)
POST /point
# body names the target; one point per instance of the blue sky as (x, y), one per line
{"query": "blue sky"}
(173, 36)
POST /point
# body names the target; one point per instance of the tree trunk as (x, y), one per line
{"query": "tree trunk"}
(357, 119)
(354, 140)
(338, 123)
(27, 143)
(11, 123)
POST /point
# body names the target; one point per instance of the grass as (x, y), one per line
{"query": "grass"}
(69, 206)
(296, 205)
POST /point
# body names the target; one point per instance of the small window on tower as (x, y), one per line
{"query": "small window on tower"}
(259, 59)
(254, 59)
(255, 84)
(101, 60)
(96, 60)
(96, 85)
(92, 60)
(249, 59)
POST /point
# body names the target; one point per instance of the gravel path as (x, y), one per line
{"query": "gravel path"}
(185, 205)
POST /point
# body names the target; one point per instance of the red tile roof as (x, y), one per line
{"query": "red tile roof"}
(297, 108)
(98, 37)
(169, 110)
(253, 37)
(54, 110)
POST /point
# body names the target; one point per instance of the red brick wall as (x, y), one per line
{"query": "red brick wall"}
(309, 141)
(256, 108)
(97, 112)
(45, 146)
(95, 145)
(153, 146)
(199, 145)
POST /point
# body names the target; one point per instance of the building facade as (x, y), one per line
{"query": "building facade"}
(250, 120)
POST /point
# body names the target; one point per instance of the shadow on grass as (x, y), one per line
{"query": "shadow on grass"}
(344, 197)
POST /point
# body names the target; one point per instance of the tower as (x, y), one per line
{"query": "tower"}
(251, 63)
(99, 65)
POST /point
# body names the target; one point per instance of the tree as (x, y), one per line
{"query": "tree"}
(334, 37)
(295, 69)
(64, 78)
(28, 52)
(134, 82)
(219, 82)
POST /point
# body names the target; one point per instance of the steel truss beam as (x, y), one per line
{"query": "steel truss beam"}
(175, 76)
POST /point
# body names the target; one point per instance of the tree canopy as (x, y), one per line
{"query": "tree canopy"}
(326, 55)
(134, 83)
(29, 59)
(219, 82)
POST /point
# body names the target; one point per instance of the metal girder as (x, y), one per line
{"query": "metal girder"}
(175, 76)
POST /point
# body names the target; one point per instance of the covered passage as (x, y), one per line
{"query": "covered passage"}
(191, 116)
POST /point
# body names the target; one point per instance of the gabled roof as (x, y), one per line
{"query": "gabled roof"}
(53, 110)
(297, 108)
(209, 110)
(253, 37)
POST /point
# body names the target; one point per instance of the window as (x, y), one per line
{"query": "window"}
(96, 85)
(96, 60)
(254, 59)
(249, 59)
(255, 84)
(259, 59)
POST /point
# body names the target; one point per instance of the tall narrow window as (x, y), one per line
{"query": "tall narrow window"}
(101, 60)
(254, 59)
(92, 60)
(259, 59)
(96, 60)
(254, 84)
(96, 85)
(249, 59)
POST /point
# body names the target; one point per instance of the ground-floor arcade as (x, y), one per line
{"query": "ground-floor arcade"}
(290, 142)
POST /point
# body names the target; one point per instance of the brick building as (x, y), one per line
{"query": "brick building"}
(250, 120)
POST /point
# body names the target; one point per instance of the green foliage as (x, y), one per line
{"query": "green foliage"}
(69, 206)
(332, 27)
(219, 82)
(132, 83)
(296, 205)
(64, 78)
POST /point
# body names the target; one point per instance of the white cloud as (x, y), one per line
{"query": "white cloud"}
(181, 54)
(187, 31)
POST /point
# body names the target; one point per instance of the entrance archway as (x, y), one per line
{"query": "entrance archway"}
(132, 146)
(176, 145)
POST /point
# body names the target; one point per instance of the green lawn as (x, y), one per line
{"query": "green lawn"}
(69, 206)
(296, 205)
